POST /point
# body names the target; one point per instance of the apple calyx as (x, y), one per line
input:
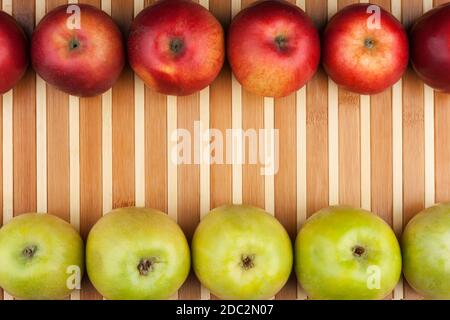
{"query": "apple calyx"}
(281, 43)
(74, 44)
(176, 46)
(147, 265)
(369, 43)
(358, 251)
(248, 261)
(29, 252)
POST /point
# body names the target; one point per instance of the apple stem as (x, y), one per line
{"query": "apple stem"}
(29, 251)
(146, 266)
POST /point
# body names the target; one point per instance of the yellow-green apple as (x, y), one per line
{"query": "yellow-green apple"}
(78, 49)
(426, 252)
(14, 52)
(430, 48)
(365, 49)
(242, 252)
(41, 257)
(137, 254)
(344, 253)
(273, 48)
(176, 47)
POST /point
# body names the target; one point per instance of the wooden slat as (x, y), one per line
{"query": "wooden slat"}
(107, 148)
(442, 129)
(221, 115)
(90, 169)
(252, 118)
(397, 160)
(413, 134)
(301, 126)
(252, 180)
(123, 119)
(155, 151)
(41, 128)
(236, 110)
(24, 124)
(155, 147)
(349, 136)
(189, 186)
(349, 149)
(285, 117)
(286, 178)
(333, 127)
(57, 145)
(381, 148)
(317, 124)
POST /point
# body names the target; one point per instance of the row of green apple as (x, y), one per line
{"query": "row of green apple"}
(238, 252)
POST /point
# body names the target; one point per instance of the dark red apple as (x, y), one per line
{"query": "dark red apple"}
(176, 47)
(84, 60)
(365, 50)
(13, 54)
(430, 47)
(273, 48)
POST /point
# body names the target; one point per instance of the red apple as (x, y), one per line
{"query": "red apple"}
(430, 47)
(273, 48)
(84, 61)
(365, 50)
(176, 47)
(14, 53)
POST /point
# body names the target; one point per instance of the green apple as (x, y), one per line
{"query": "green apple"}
(137, 254)
(347, 254)
(426, 252)
(41, 257)
(242, 252)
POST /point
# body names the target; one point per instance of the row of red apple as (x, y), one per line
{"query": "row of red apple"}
(178, 47)
(238, 252)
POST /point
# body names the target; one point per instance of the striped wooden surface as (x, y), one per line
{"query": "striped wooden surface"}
(79, 158)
